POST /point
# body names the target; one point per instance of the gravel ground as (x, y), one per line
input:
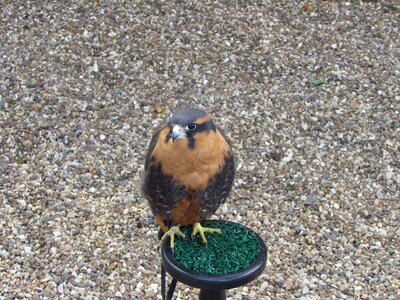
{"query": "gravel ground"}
(308, 92)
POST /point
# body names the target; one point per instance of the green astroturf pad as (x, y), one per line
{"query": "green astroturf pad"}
(230, 251)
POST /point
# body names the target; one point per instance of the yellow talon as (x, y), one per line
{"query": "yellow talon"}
(171, 233)
(197, 228)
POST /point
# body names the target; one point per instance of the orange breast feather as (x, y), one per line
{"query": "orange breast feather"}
(192, 167)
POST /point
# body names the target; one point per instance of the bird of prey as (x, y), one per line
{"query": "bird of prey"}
(189, 171)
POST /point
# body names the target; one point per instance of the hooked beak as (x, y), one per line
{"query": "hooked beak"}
(178, 132)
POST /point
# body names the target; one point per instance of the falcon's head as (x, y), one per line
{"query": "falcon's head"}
(187, 122)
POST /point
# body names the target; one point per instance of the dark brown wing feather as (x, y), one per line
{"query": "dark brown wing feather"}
(153, 143)
(219, 187)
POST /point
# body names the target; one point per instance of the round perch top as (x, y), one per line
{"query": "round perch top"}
(230, 259)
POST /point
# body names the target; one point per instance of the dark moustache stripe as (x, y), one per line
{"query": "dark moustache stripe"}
(203, 127)
(168, 136)
(191, 142)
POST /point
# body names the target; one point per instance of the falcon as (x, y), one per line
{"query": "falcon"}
(189, 171)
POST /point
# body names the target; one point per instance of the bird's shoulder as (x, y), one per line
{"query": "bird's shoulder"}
(222, 132)
(152, 145)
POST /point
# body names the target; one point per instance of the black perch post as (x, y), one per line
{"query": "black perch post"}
(230, 259)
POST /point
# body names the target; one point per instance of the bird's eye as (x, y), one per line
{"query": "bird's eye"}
(192, 126)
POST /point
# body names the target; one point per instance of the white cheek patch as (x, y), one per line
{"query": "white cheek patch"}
(178, 132)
